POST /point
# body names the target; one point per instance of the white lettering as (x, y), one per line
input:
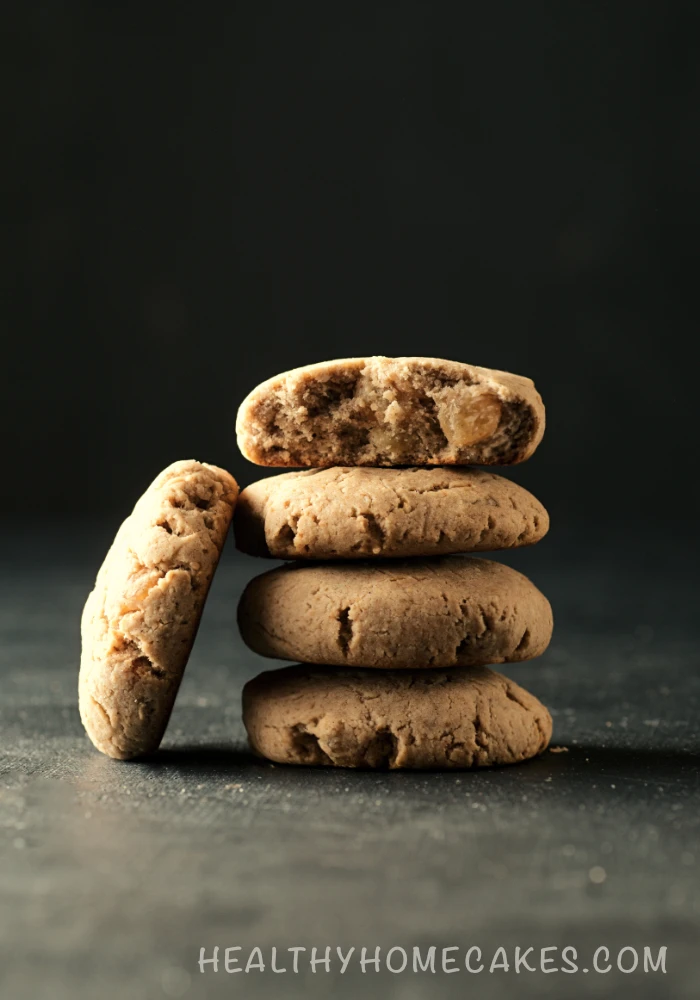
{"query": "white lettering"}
(320, 961)
(468, 959)
(429, 962)
(522, 960)
(660, 960)
(595, 959)
(364, 961)
(250, 964)
(230, 961)
(571, 962)
(635, 957)
(273, 964)
(295, 961)
(495, 964)
(209, 961)
(547, 961)
(388, 959)
(344, 959)
(445, 959)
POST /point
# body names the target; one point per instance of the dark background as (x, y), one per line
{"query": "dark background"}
(200, 196)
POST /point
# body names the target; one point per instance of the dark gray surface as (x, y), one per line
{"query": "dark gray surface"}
(113, 875)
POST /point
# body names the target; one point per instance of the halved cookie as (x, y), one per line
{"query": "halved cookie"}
(445, 612)
(391, 411)
(397, 719)
(141, 619)
(351, 513)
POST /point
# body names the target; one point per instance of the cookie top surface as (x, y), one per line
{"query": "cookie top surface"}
(356, 512)
(140, 620)
(408, 613)
(391, 411)
(397, 719)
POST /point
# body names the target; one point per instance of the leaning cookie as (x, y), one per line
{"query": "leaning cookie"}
(402, 719)
(141, 619)
(451, 611)
(350, 513)
(391, 411)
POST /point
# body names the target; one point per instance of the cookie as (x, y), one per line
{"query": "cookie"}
(391, 411)
(140, 620)
(445, 612)
(397, 719)
(350, 513)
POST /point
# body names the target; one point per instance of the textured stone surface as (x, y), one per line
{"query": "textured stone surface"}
(113, 874)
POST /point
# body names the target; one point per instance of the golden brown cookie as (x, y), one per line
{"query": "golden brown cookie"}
(391, 411)
(397, 719)
(452, 611)
(141, 619)
(350, 513)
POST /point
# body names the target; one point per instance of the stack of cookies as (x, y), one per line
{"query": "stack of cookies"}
(393, 624)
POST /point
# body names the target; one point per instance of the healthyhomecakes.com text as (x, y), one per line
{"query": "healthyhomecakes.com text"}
(432, 959)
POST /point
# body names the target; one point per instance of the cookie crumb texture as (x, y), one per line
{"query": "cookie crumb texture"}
(352, 513)
(391, 411)
(453, 611)
(403, 719)
(141, 619)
